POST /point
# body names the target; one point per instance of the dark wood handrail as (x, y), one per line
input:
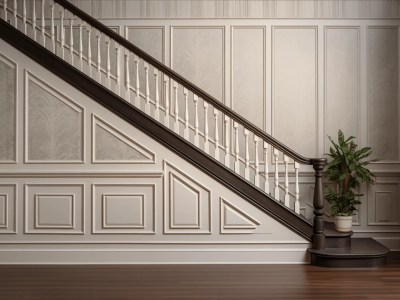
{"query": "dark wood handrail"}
(187, 84)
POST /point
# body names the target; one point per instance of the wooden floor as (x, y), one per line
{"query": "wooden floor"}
(197, 282)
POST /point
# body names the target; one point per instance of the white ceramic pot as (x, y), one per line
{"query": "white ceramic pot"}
(343, 223)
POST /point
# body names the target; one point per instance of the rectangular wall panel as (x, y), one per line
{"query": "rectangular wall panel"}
(342, 81)
(294, 87)
(248, 73)
(383, 92)
(383, 205)
(197, 53)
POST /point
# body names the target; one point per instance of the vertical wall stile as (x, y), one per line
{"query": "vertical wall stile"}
(157, 96)
(227, 142)
(276, 182)
(186, 129)
(127, 77)
(206, 137)
(237, 162)
(256, 163)
(166, 90)
(287, 198)
(196, 120)
(216, 135)
(266, 168)
(147, 88)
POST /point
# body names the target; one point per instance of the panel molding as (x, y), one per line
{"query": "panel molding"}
(9, 62)
(368, 28)
(99, 223)
(373, 207)
(31, 212)
(251, 225)
(9, 226)
(273, 79)
(29, 76)
(203, 213)
(39, 225)
(325, 68)
(223, 57)
(124, 138)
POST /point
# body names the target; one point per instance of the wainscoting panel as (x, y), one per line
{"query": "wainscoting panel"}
(53, 125)
(383, 92)
(342, 82)
(54, 209)
(294, 64)
(8, 208)
(8, 96)
(384, 208)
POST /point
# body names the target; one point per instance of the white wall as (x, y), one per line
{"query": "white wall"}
(298, 69)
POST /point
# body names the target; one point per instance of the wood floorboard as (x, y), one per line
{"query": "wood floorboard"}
(177, 282)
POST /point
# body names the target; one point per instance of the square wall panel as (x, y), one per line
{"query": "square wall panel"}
(54, 208)
(123, 208)
(8, 216)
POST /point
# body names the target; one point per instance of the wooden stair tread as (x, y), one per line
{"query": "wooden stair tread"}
(330, 231)
(364, 252)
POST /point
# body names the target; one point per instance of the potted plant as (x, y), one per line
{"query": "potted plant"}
(347, 170)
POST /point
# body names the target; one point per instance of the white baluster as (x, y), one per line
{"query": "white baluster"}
(186, 130)
(296, 193)
(157, 100)
(216, 134)
(176, 124)
(227, 142)
(80, 47)
(71, 39)
(256, 163)
(24, 16)
(89, 47)
(118, 75)
(287, 198)
(247, 155)
(196, 121)
(34, 19)
(206, 138)
(62, 32)
(127, 79)
(15, 14)
(43, 25)
(237, 162)
(266, 168)
(147, 90)
(5, 10)
(52, 32)
(108, 65)
(166, 90)
(276, 156)
(98, 56)
(137, 85)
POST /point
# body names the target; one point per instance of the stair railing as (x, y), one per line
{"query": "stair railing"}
(170, 99)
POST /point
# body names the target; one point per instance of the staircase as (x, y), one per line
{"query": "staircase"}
(185, 119)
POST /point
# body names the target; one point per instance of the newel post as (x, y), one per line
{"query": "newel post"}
(318, 203)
